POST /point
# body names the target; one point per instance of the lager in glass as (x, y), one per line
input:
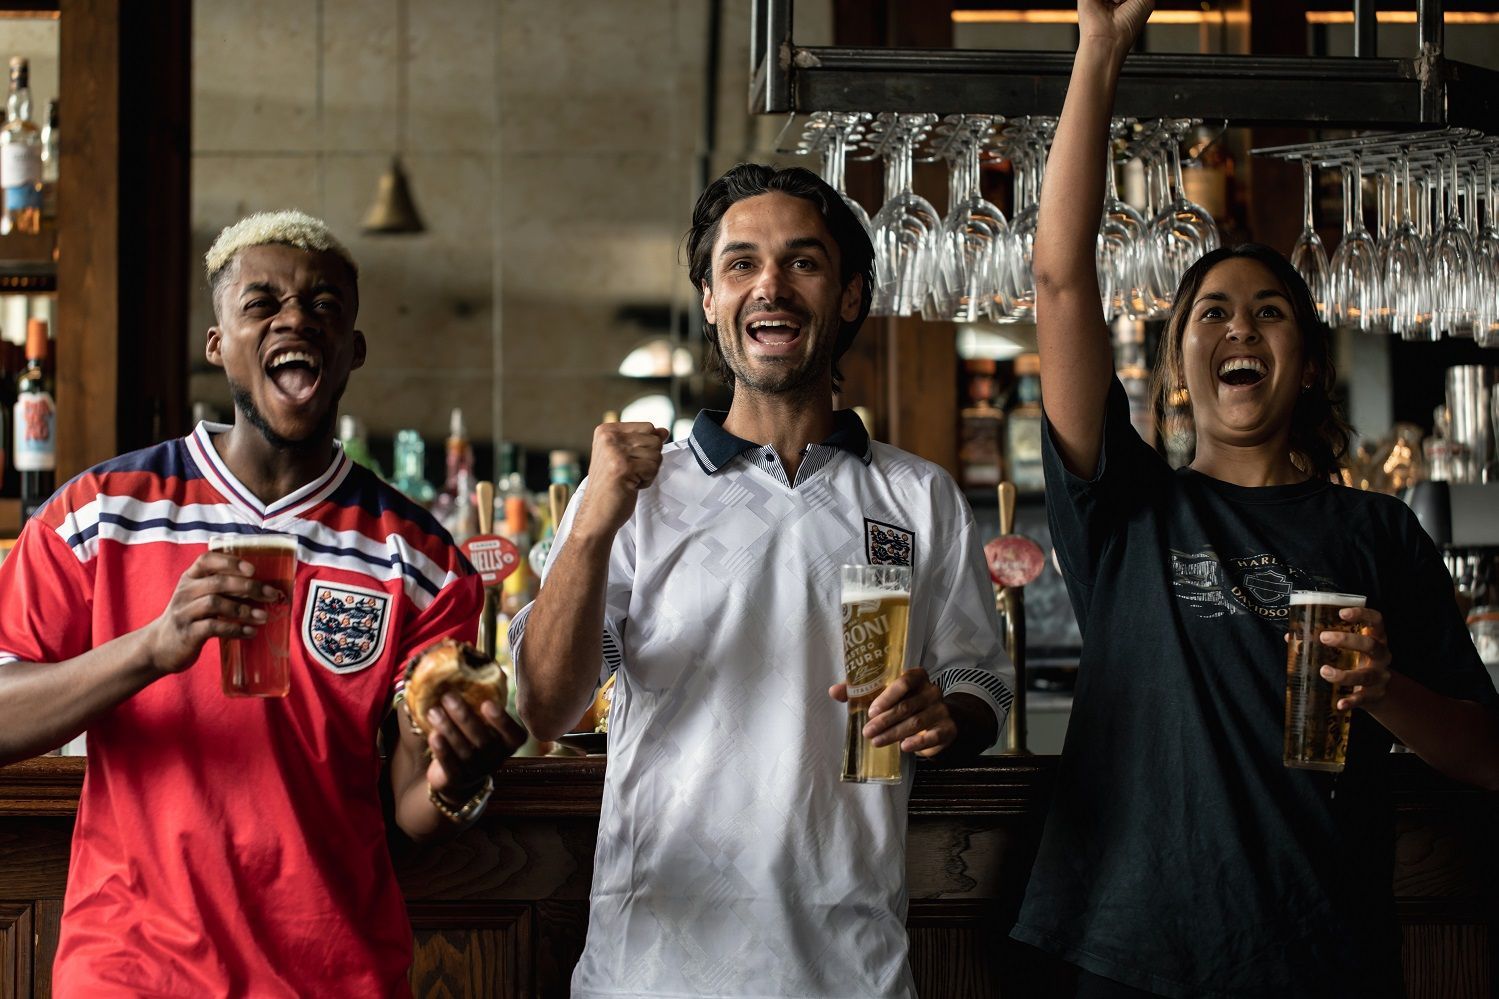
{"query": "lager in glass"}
(876, 604)
(259, 666)
(1316, 732)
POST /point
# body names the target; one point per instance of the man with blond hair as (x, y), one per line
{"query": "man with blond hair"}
(235, 846)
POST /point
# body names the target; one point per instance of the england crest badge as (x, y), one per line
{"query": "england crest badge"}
(344, 627)
(886, 544)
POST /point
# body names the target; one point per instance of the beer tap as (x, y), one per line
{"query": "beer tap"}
(489, 616)
(1014, 561)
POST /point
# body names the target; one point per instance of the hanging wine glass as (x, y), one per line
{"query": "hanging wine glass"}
(1486, 262)
(974, 233)
(1182, 231)
(841, 129)
(1308, 256)
(1151, 301)
(1406, 292)
(1451, 262)
(906, 226)
(1356, 271)
(1120, 233)
(1030, 171)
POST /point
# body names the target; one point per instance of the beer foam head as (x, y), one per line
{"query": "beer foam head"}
(263, 542)
(286, 228)
(1301, 597)
(871, 594)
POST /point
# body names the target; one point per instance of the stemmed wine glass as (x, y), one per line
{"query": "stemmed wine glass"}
(840, 128)
(974, 234)
(1151, 300)
(1406, 288)
(1120, 233)
(1182, 231)
(1486, 262)
(1451, 261)
(1308, 256)
(1356, 271)
(1030, 170)
(906, 226)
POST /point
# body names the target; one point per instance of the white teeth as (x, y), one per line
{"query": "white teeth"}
(772, 325)
(1242, 364)
(289, 356)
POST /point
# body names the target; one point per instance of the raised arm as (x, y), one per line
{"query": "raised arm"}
(557, 667)
(1076, 356)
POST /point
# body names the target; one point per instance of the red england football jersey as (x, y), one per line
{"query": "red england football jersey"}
(234, 846)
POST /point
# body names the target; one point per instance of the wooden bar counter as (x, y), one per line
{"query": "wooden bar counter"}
(502, 910)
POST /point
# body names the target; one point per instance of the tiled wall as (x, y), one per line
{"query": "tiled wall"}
(551, 148)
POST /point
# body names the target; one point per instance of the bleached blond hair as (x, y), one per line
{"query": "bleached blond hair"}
(286, 228)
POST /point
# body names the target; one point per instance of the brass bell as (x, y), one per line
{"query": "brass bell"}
(393, 210)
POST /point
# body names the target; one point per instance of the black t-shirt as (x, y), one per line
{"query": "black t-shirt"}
(1180, 855)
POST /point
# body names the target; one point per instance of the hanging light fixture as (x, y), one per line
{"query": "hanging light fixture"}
(394, 210)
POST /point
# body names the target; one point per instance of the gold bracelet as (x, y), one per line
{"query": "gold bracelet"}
(470, 809)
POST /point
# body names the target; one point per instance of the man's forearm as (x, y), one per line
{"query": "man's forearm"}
(557, 667)
(43, 705)
(978, 729)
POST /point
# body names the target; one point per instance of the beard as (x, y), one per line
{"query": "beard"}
(244, 404)
(781, 376)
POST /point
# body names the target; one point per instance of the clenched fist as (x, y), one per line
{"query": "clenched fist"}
(625, 460)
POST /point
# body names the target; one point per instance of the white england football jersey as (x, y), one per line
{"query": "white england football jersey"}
(731, 859)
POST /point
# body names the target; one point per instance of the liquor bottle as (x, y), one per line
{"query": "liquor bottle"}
(20, 157)
(35, 423)
(1134, 374)
(566, 469)
(1023, 426)
(50, 148)
(980, 428)
(410, 466)
(11, 364)
(516, 590)
(351, 436)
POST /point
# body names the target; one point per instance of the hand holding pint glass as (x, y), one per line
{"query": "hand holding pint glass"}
(876, 602)
(260, 665)
(1316, 730)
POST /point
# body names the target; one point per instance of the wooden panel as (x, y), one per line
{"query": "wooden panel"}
(471, 949)
(561, 928)
(48, 917)
(34, 857)
(88, 318)
(15, 950)
(1447, 961)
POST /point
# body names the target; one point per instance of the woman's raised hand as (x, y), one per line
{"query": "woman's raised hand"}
(1112, 23)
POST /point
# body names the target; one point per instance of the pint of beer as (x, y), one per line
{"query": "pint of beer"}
(1316, 732)
(876, 604)
(259, 666)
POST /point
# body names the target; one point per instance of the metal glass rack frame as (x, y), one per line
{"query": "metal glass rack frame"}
(1425, 90)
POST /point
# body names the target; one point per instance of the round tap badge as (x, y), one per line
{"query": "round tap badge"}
(493, 556)
(1014, 560)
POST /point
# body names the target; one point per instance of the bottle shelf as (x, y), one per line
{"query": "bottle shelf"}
(28, 263)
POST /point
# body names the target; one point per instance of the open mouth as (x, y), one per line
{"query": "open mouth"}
(295, 372)
(775, 332)
(1240, 372)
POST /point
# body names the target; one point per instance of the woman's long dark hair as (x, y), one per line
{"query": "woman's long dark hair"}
(1319, 435)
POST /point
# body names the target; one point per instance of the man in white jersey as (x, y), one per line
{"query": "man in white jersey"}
(705, 575)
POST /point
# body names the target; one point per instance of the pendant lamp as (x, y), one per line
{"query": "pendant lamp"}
(394, 210)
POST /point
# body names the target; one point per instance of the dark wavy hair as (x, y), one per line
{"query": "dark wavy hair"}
(747, 180)
(1319, 435)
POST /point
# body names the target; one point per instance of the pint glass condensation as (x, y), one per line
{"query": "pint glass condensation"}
(1316, 732)
(259, 666)
(876, 605)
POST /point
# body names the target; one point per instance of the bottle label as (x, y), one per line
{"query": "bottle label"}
(36, 432)
(20, 167)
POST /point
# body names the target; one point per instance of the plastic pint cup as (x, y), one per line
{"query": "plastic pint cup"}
(1316, 732)
(260, 666)
(876, 603)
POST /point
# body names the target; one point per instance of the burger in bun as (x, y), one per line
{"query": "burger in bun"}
(451, 667)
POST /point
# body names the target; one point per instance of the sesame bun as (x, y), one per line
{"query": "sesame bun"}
(451, 666)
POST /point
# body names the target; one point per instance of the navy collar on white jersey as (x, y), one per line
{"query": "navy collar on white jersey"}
(714, 447)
